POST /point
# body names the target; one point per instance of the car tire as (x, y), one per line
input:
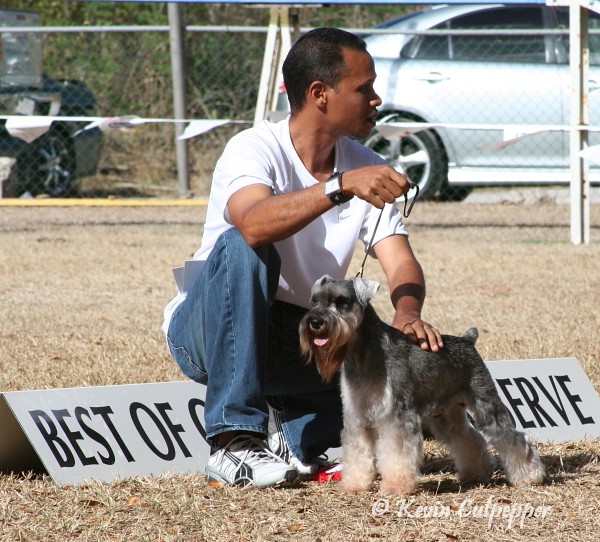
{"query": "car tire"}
(47, 165)
(454, 193)
(421, 155)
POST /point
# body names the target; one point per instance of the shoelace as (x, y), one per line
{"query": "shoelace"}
(254, 447)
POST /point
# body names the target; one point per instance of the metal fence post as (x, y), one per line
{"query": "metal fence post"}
(175, 12)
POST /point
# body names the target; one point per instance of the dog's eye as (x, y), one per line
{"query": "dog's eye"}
(343, 303)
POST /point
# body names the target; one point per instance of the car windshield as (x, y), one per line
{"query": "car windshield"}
(398, 20)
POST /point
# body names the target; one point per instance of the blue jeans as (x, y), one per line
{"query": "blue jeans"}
(232, 335)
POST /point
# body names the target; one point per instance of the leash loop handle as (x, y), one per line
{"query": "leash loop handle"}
(406, 213)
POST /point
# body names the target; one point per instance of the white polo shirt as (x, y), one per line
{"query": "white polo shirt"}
(265, 154)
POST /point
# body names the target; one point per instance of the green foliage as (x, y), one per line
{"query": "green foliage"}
(130, 72)
(61, 12)
(69, 13)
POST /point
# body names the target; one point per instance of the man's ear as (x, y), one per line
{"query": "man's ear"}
(317, 93)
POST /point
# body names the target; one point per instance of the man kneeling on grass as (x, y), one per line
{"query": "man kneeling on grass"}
(288, 203)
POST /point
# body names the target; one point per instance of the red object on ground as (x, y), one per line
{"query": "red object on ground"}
(328, 473)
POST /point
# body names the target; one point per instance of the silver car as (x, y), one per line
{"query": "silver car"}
(508, 79)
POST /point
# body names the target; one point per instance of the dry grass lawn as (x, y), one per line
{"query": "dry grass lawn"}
(82, 292)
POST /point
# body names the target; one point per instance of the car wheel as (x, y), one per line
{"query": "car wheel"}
(420, 155)
(47, 165)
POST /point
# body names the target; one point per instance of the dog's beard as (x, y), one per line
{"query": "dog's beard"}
(327, 347)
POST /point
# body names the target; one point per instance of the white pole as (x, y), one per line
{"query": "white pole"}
(284, 29)
(270, 62)
(579, 62)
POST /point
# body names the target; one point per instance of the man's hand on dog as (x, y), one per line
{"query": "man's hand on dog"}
(421, 333)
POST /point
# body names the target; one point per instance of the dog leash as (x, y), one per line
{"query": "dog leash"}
(405, 213)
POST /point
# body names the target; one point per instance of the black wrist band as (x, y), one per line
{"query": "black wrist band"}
(334, 191)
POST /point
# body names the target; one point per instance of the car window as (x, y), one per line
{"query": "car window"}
(594, 39)
(433, 47)
(492, 47)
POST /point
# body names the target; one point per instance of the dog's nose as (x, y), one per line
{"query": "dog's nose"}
(315, 322)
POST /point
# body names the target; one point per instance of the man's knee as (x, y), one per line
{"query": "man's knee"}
(237, 247)
(243, 261)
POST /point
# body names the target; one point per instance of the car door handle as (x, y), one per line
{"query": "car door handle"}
(432, 77)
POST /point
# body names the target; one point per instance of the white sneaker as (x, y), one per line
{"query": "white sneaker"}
(279, 447)
(246, 460)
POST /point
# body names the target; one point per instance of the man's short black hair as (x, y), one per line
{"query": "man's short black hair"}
(317, 56)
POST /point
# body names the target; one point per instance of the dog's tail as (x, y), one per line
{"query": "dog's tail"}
(471, 335)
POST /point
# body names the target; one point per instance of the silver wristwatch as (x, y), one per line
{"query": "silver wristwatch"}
(333, 190)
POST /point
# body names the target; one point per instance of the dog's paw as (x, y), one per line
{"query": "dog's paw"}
(532, 475)
(347, 488)
(405, 485)
(353, 482)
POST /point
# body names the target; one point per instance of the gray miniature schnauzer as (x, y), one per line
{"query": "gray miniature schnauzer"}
(392, 391)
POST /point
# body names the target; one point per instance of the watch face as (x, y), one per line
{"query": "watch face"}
(333, 190)
(332, 184)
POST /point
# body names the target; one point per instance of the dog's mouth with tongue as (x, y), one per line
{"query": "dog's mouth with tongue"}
(321, 341)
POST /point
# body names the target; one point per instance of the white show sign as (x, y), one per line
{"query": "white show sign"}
(551, 399)
(111, 432)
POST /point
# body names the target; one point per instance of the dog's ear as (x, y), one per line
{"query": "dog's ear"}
(322, 280)
(365, 289)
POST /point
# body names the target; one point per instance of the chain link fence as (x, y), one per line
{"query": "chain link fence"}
(484, 85)
(121, 73)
